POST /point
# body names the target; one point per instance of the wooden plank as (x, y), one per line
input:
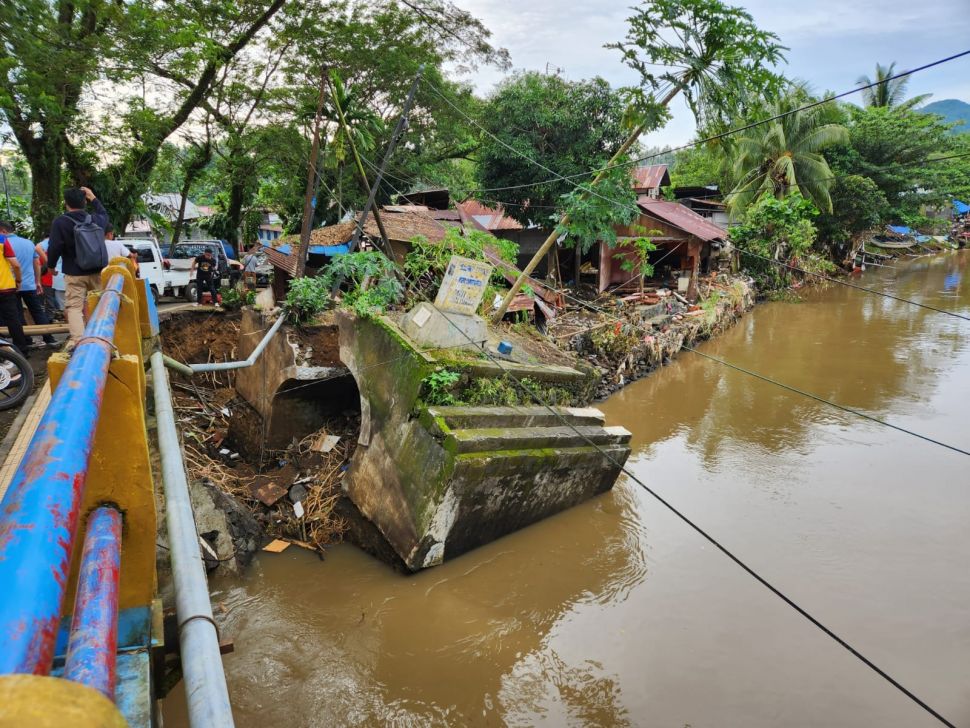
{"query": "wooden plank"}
(27, 431)
(39, 330)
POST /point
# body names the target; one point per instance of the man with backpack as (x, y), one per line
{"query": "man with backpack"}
(77, 239)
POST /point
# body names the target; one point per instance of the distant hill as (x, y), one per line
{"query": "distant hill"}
(952, 110)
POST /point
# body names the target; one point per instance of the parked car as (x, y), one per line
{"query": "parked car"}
(180, 263)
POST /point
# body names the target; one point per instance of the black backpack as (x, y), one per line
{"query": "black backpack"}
(90, 252)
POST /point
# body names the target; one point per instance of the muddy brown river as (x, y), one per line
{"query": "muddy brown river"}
(616, 613)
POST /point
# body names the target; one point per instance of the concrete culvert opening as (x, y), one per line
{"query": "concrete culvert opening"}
(275, 439)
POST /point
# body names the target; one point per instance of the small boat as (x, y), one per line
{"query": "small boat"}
(893, 244)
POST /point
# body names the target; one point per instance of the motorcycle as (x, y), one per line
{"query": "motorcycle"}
(16, 376)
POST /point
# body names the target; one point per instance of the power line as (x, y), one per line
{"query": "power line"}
(748, 569)
(716, 543)
(714, 137)
(853, 285)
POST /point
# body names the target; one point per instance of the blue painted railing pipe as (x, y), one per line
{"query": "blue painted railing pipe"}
(205, 682)
(39, 514)
(93, 643)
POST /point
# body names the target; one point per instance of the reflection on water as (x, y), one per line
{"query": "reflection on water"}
(614, 613)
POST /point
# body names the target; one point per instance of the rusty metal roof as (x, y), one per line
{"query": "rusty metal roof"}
(681, 217)
(650, 178)
(280, 260)
(490, 218)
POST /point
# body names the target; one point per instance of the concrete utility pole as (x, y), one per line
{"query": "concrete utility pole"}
(398, 133)
(551, 240)
(310, 201)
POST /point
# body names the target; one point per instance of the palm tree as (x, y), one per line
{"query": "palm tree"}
(784, 155)
(888, 94)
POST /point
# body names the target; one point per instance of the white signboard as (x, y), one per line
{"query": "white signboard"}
(463, 285)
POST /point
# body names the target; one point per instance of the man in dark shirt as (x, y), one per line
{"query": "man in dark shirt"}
(206, 271)
(61, 246)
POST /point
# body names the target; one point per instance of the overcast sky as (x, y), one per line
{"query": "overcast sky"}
(832, 42)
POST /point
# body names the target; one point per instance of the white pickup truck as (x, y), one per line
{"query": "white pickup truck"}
(155, 269)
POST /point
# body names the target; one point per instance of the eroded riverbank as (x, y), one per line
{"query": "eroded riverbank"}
(613, 613)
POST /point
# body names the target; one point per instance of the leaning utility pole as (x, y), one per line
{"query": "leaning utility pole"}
(553, 236)
(398, 133)
(360, 170)
(310, 201)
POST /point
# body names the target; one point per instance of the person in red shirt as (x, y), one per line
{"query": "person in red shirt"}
(9, 302)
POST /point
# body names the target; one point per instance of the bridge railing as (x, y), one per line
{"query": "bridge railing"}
(86, 470)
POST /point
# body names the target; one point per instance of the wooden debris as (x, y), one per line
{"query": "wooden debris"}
(324, 443)
(276, 546)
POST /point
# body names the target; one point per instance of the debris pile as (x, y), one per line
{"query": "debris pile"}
(292, 493)
(628, 337)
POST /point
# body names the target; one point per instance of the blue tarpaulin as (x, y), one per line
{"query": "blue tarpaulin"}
(961, 208)
(900, 229)
(318, 249)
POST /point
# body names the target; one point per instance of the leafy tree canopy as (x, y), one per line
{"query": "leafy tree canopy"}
(534, 119)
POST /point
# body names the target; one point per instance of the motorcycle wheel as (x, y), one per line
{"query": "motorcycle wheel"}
(16, 378)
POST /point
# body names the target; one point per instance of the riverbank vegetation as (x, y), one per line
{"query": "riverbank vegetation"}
(223, 111)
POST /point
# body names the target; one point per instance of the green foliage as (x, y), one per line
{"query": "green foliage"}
(370, 279)
(857, 205)
(893, 147)
(305, 299)
(784, 156)
(438, 387)
(566, 126)
(782, 230)
(699, 166)
(711, 52)
(593, 216)
(504, 392)
(642, 247)
(233, 298)
(887, 93)
(425, 264)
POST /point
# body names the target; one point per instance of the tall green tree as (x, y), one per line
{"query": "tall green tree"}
(888, 93)
(894, 147)
(49, 54)
(784, 156)
(566, 126)
(712, 53)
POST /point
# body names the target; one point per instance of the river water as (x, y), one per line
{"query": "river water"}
(616, 613)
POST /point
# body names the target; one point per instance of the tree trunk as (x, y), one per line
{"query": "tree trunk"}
(45, 172)
(197, 162)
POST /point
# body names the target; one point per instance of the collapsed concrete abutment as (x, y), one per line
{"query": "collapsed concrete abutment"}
(433, 481)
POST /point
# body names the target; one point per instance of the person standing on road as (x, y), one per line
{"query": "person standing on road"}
(53, 282)
(117, 248)
(206, 270)
(79, 281)
(31, 290)
(9, 303)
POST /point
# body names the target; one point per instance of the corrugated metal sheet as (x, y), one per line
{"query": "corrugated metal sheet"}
(488, 217)
(283, 261)
(682, 217)
(650, 178)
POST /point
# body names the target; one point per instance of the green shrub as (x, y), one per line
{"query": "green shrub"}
(438, 387)
(306, 298)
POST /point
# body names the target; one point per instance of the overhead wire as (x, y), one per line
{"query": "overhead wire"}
(719, 135)
(711, 539)
(702, 532)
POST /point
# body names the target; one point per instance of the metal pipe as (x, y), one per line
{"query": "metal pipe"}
(39, 514)
(177, 366)
(205, 681)
(92, 646)
(223, 366)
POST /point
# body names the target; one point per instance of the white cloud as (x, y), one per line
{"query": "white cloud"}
(832, 42)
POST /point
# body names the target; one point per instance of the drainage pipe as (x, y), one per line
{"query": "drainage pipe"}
(177, 365)
(205, 681)
(223, 366)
